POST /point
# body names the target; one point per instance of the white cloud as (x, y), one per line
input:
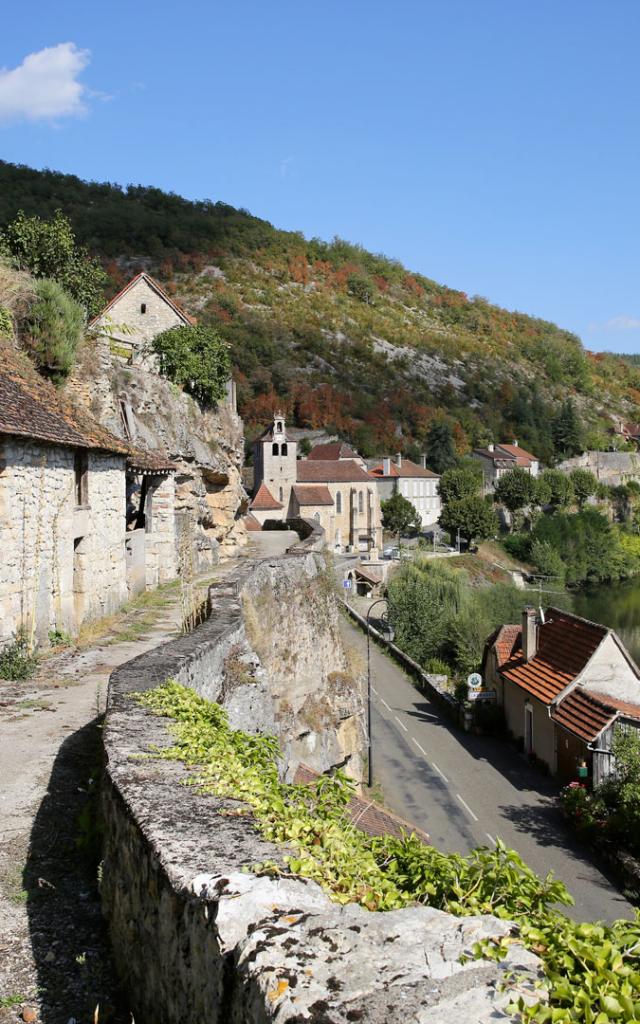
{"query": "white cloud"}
(617, 323)
(45, 86)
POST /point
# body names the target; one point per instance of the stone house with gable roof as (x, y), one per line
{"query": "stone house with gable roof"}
(146, 310)
(498, 459)
(63, 501)
(565, 684)
(336, 493)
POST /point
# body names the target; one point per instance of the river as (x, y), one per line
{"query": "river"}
(616, 606)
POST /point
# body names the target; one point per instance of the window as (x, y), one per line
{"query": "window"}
(143, 308)
(360, 502)
(275, 450)
(339, 503)
(284, 449)
(80, 470)
(281, 498)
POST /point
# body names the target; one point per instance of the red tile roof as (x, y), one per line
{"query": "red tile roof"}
(517, 452)
(264, 500)
(336, 470)
(625, 707)
(251, 523)
(407, 468)
(332, 450)
(505, 643)
(582, 714)
(505, 455)
(308, 494)
(565, 645)
(367, 815)
(32, 407)
(156, 288)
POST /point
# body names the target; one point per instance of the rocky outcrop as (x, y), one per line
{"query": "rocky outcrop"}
(207, 445)
(197, 935)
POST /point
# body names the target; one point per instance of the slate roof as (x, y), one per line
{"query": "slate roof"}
(334, 470)
(310, 494)
(367, 815)
(565, 645)
(157, 288)
(264, 501)
(32, 407)
(149, 461)
(332, 450)
(407, 468)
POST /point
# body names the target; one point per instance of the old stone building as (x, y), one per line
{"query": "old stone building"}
(86, 519)
(62, 501)
(337, 493)
(144, 310)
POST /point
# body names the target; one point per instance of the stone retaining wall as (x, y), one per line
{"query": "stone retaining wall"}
(198, 937)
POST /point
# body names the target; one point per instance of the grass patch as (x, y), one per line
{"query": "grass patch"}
(6, 1002)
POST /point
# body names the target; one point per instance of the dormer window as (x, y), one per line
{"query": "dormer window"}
(143, 307)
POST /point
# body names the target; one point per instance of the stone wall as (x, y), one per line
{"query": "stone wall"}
(61, 564)
(612, 468)
(197, 936)
(143, 327)
(207, 445)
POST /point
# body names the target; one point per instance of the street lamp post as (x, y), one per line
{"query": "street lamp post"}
(389, 631)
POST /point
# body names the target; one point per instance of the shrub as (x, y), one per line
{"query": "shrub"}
(53, 329)
(17, 661)
(196, 359)
(518, 545)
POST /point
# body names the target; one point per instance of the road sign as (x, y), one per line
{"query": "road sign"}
(483, 695)
(474, 681)
(346, 584)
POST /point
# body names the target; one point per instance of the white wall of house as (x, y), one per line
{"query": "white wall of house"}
(61, 563)
(610, 673)
(423, 494)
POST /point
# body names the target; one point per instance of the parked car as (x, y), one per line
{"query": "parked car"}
(391, 553)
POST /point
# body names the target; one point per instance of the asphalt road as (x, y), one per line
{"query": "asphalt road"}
(466, 791)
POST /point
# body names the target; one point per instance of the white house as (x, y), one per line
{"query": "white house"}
(415, 483)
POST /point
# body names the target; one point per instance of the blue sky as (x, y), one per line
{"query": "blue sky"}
(493, 145)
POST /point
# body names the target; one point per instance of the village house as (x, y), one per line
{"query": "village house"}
(498, 459)
(67, 555)
(136, 315)
(337, 493)
(565, 684)
(414, 482)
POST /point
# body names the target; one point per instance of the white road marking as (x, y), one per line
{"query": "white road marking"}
(439, 772)
(490, 838)
(385, 704)
(466, 807)
(401, 723)
(373, 690)
(421, 749)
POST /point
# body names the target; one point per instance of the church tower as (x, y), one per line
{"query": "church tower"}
(275, 461)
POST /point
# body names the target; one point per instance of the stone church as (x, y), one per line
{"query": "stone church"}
(336, 492)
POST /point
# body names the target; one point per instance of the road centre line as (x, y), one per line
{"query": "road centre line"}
(466, 807)
(385, 704)
(421, 749)
(401, 723)
(439, 772)
(491, 838)
(373, 690)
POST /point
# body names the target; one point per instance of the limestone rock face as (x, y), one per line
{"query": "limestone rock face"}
(207, 445)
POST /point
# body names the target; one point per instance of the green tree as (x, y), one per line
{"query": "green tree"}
(47, 248)
(547, 560)
(584, 485)
(195, 358)
(516, 490)
(555, 488)
(474, 517)
(361, 287)
(567, 430)
(399, 516)
(52, 329)
(440, 447)
(586, 542)
(424, 598)
(462, 482)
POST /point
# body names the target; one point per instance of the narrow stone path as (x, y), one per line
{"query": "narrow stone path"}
(55, 966)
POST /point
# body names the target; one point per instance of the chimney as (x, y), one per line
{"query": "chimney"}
(423, 461)
(386, 467)
(515, 443)
(529, 633)
(491, 447)
(399, 459)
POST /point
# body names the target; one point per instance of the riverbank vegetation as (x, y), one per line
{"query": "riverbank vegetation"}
(592, 970)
